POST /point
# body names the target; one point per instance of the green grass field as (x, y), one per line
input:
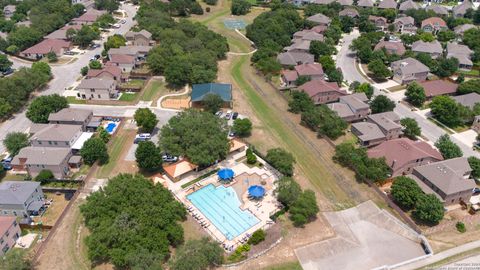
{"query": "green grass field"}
(128, 97)
(285, 266)
(114, 151)
(74, 100)
(153, 89)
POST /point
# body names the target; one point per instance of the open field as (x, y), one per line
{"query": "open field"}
(285, 266)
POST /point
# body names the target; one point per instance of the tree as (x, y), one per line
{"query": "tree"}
(446, 67)
(379, 70)
(148, 156)
(448, 148)
(95, 64)
(85, 36)
(335, 76)
(23, 37)
(212, 103)
(5, 64)
(14, 141)
(242, 127)
(287, 191)
(84, 70)
(115, 41)
(16, 259)
(251, 157)
(146, 119)
(103, 134)
(330, 125)
(410, 128)
(257, 237)
(42, 68)
(445, 35)
(381, 104)
(52, 57)
(445, 110)
(427, 37)
(197, 255)
(300, 102)
(469, 86)
(108, 5)
(140, 231)
(428, 208)
(304, 209)
(301, 80)
(415, 94)
(94, 149)
(70, 34)
(240, 7)
(42, 106)
(185, 135)
(474, 163)
(319, 49)
(364, 88)
(405, 192)
(281, 160)
(44, 175)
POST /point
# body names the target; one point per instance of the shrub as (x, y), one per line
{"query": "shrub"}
(257, 237)
(461, 227)
(44, 175)
(251, 158)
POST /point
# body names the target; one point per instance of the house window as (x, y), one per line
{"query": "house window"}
(14, 213)
(99, 96)
(7, 234)
(50, 142)
(39, 142)
(55, 143)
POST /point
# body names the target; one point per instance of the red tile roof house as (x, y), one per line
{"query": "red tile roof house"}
(403, 154)
(9, 233)
(391, 47)
(438, 87)
(322, 92)
(41, 49)
(433, 25)
(110, 72)
(314, 71)
(380, 22)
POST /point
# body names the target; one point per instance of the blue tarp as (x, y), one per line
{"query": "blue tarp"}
(225, 174)
(256, 191)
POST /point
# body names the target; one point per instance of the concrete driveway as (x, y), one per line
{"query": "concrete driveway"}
(366, 238)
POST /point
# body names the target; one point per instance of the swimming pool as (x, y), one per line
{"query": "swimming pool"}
(111, 127)
(222, 207)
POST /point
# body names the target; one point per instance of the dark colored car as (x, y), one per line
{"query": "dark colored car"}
(476, 191)
(235, 115)
(8, 72)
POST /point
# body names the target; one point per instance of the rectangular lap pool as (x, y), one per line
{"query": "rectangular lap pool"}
(222, 207)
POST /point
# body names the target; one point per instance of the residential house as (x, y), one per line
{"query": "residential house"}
(71, 116)
(125, 62)
(200, 91)
(459, 30)
(391, 47)
(109, 72)
(378, 128)
(141, 38)
(409, 4)
(320, 29)
(405, 25)
(9, 10)
(365, 3)
(299, 46)
(438, 88)
(462, 53)
(468, 100)
(434, 25)
(41, 49)
(349, 12)
(434, 48)
(402, 155)
(89, 17)
(62, 32)
(319, 19)
(307, 35)
(35, 159)
(408, 70)
(461, 10)
(345, 2)
(97, 88)
(9, 233)
(313, 71)
(448, 180)
(20, 198)
(323, 2)
(322, 92)
(438, 9)
(56, 135)
(351, 108)
(295, 58)
(380, 22)
(137, 51)
(384, 4)
(476, 124)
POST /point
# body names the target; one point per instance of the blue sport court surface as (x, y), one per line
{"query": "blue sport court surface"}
(234, 24)
(221, 207)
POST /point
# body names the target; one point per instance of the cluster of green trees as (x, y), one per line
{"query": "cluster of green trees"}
(446, 110)
(188, 51)
(240, 7)
(41, 107)
(415, 94)
(146, 119)
(15, 90)
(358, 87)
(475, 165)
(15, 141)
(148, 156)
(133, 223)
(197, 255)
(471, 38)
(410, 128)
(382, 103)
(242, 127)
(318, 118)
(84, 36)
(108, 5)
(469, 86)
(94, 149)
(447, 148)
(281, 160)
(408, 195)
(374, 169)
(377, 60)
(442, 67)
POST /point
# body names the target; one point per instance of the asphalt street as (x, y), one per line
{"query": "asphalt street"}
(346, 61)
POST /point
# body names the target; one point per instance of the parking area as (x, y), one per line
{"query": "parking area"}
(366, 238)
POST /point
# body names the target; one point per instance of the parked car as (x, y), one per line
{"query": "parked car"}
(235, 115)
(95, 45)
(228, 115)
(219, 114)
(142, 137)
(123, 21)
(69, 53)
(476, 191)
(6, 163)
(116, 25)
(169, 158)
(8, 72)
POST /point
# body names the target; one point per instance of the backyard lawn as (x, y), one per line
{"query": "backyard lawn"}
(74, 100)
(54, 210)
(128, 96)
(154, 89)
(133, 84)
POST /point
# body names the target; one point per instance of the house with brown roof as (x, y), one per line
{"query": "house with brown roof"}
(89, 17)
(349, 12)
(180, 169)
(378, 128)
(405, 25)
(125, 62)
(459, 30)
(110, 72)
(41, 49)
(351, 108)
(322, 92)
(298, 45)
(462, 53)
(380, 22)
(319, 19)
(295, 58)
(437, 9)
(434, 48)
(384, 4)
(71, 116)
(402, 155)
(35, 159)
(141, 38)
(313, 71)
(391, 47)
(438, 88)
(448, 180)
(320, 29)
(408, 70)
(434, 25)
(9, 233)
(409, 4)
(97, 88)
(461, 10)
(365, 3)
(62, 32)
(307, 35)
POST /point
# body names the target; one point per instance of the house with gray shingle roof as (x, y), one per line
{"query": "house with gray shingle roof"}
(20, 198)
(438, 9)
(380, 22)
(409, 4)
(462, 53)
(319, 19)
(468, 100)
(388, 4)
(433, 48)
(298, 45)
(408, 70)
(308, 35)
(349, 12)
(461, 10)
(9, 10)
(141, 38)
(365, 3)
(448, 180)
(378, 128)
(345, 2)
(459, 30)
(56, 135)
(405, 25)
(295, 58)
(391, 47)
(35, 159)
(351, 108)
(71, 116)
(97, 88)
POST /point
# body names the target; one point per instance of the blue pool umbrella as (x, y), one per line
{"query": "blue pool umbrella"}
(225, 174)
(256, 191)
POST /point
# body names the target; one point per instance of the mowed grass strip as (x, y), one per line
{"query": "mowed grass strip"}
(114, 152)
(153, 88)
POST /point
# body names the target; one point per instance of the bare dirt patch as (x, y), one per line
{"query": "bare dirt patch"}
(55, 209)
(176, 102)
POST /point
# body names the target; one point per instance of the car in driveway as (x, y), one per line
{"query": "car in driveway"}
(219, 114)
(6, 163)
(142, 137)
(123, 21)
(169, 158)
(228, 115)
(69, 53)
(235, 115)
